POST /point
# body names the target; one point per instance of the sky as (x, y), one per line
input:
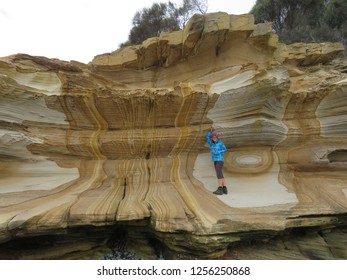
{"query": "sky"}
(79, 29)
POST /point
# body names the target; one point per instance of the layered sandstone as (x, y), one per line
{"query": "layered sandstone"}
(122, 138)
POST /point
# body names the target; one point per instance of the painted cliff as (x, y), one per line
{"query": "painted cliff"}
(121, 141)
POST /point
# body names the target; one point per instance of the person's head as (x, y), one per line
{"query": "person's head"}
(214, 137)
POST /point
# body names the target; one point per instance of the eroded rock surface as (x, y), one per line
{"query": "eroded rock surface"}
(122, 138)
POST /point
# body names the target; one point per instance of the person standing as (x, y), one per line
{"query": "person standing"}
(218, 150)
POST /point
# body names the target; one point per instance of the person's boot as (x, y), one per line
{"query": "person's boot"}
(219, 191)
(225, 190)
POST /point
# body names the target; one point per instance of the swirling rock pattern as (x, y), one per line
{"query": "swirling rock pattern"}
(122, 138)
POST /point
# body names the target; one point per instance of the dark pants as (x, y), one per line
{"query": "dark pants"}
(218, 165)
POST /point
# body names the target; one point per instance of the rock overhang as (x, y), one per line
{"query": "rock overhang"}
(131, 127)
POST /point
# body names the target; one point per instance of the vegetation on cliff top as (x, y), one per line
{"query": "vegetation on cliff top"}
(308, 21)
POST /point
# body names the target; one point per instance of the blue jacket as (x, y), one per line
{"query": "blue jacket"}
(218, 149)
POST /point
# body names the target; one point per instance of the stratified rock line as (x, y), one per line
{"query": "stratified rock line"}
(121, 140)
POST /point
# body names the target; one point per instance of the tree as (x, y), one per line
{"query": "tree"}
(270, 11)
(287, 14)
(336, 13)
(163, 17)
(189, 8)
(305, 20)
(150, 22)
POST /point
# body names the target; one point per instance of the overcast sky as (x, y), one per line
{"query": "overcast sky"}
(78, 29)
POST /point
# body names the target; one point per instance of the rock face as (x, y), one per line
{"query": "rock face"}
(123, 138)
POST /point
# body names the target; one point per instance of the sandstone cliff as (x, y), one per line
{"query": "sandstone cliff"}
(122, 138)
